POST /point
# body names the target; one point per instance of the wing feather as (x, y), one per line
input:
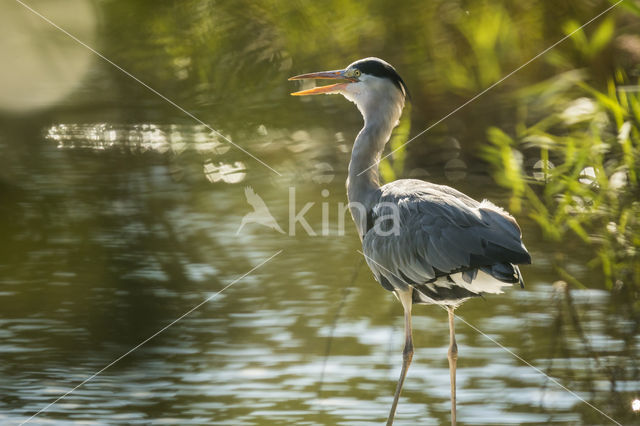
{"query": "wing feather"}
(442, 232)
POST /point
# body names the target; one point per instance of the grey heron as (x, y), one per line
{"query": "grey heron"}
(427, 243)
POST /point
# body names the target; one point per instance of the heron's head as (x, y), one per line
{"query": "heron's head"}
(370, 83)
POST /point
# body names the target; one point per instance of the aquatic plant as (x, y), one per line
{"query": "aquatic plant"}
(575, 169)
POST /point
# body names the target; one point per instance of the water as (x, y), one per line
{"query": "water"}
(120, 214)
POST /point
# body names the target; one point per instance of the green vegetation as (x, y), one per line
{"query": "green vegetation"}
(585, 142)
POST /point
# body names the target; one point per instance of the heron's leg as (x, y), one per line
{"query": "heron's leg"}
(405, 297)
(453, 360)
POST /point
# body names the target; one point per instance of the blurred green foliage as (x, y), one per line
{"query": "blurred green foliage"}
(231, 59)
(585, 142)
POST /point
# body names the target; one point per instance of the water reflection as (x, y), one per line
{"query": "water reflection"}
(117, 265)
(263, 370)
(138, 138)
(121, 254)
(228, 173)
(255, 355)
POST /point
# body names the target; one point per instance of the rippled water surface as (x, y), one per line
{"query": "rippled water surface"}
(120, 214)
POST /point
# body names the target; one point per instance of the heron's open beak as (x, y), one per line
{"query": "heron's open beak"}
(332, 88)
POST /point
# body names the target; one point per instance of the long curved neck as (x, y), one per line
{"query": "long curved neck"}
(363, 183)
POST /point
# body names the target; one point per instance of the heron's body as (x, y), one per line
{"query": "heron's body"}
(427, 243)
(448, 247)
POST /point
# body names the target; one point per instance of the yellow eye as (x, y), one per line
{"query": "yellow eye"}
(356, 73)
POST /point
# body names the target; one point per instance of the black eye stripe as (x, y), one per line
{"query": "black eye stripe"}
(379, 68)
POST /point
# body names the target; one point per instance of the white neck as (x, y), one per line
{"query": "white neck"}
(363, 183)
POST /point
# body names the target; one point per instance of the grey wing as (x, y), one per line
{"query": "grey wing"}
(437, 239)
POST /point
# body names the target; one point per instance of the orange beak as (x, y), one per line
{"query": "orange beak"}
(325, 75)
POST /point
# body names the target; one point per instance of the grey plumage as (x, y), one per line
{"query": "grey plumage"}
(427, 243)
(443, 232)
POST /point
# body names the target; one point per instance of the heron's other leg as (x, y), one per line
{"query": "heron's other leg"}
(405, 297)
(453, 360)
